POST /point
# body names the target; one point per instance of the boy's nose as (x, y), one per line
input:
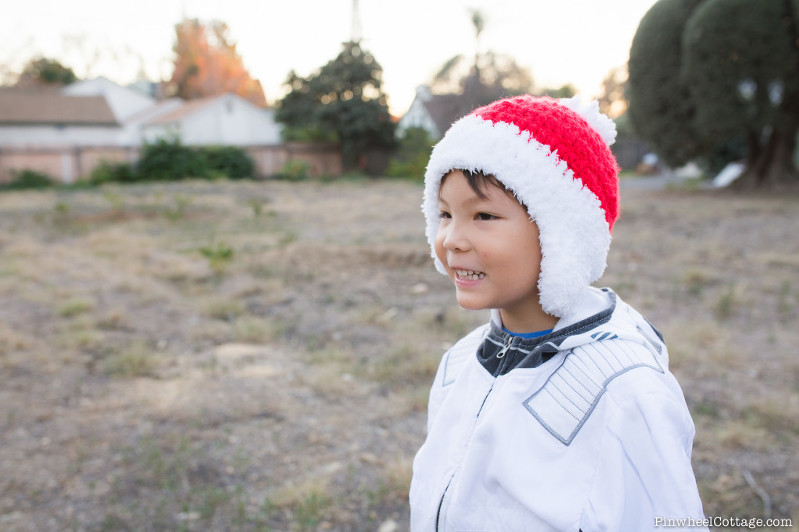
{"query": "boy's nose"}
(456, 238)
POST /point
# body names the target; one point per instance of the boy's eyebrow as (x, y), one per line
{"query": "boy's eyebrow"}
(472, 200)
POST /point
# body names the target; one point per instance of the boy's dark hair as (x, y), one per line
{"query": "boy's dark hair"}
(479, 181)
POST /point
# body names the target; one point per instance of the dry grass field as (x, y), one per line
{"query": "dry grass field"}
(257, 356)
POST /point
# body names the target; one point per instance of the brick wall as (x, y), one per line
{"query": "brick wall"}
(68, 165)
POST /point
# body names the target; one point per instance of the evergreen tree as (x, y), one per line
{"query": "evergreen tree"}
(719, 78)
(343, 101)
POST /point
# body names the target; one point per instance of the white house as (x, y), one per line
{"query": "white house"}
(46, 119)
(221, 120)
(432, 112)
(418, 115)
(132, 133)
(67, 132)
(123, 101)
(98, 112)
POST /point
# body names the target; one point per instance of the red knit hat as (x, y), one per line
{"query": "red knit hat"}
(554, 156)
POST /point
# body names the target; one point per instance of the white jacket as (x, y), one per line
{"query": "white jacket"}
(597, 437)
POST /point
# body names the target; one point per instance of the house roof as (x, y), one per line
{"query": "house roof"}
(445, 109)
(47, 108)
(158, 109)
(184, 110)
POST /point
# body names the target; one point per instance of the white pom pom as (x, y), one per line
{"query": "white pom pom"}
(590, 112)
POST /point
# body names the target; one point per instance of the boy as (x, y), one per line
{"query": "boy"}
(560, 413)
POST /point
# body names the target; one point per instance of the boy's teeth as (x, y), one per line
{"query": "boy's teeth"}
(470, 274)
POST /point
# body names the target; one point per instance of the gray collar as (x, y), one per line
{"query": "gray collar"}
(500, 352)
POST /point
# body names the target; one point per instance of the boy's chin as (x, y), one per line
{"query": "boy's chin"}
(470, 303)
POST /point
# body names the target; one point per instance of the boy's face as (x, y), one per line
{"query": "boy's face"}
(490, 249)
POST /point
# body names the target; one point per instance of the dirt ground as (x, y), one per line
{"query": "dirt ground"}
(257, 356)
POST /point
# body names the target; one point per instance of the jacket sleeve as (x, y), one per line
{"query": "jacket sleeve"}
(644, 475)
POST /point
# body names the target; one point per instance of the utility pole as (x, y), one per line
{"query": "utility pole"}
(356, 23)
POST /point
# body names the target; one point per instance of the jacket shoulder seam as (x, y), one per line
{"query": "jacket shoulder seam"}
(458, 354)
(569, 396)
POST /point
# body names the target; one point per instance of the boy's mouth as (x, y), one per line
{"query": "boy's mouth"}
(469, 275)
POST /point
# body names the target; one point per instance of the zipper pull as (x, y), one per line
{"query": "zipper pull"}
(504, 350)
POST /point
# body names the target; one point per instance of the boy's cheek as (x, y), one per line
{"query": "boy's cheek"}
(440, 251)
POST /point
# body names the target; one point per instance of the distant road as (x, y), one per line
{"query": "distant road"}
(653, 182)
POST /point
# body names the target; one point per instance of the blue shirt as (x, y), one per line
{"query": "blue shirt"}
(528, 335)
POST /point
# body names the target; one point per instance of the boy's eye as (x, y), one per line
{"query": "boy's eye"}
(444, 215)
(485, 216)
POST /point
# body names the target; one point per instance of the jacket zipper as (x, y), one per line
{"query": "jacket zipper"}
(441, 502)
(499, 355)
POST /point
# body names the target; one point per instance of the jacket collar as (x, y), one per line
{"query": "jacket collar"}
(501, 352)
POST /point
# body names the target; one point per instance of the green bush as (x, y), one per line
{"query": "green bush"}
(412, 155)
(113, 172)
(28, 179)
(169, 160)
(294, 171)
(228, 161)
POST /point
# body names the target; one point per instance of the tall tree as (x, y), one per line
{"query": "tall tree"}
(42, 71)
(342, 101)
(208, 64)
(485, 77)
(707, 76)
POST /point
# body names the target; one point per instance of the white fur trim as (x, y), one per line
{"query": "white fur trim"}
(590, 112)
(574, 234)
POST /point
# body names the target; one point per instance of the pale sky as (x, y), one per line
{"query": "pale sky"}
(559, 41)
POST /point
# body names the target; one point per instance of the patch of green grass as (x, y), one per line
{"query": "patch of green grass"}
(403, 366)
(289, 236)
(695, 281)
(393, 482)
(135, 361)
(78, 333)
(62, 213)
(162, 462)
(114, 319)
(785, 304)
(218, 254)
(693, 184)
(116, 199)
(211, 498)
(190, 490)
(73, 307)
(112, 522)
(252, 329)
(726, 303)
(223, 308)
(310, 510)
(706, 409)
(774, 415)
(177, 210)
(257, 206)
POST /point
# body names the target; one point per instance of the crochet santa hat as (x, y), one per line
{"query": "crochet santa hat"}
(554, 156)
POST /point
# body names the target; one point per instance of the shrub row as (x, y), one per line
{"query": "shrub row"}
(27, 179)
(410, 159)
(169, 160)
